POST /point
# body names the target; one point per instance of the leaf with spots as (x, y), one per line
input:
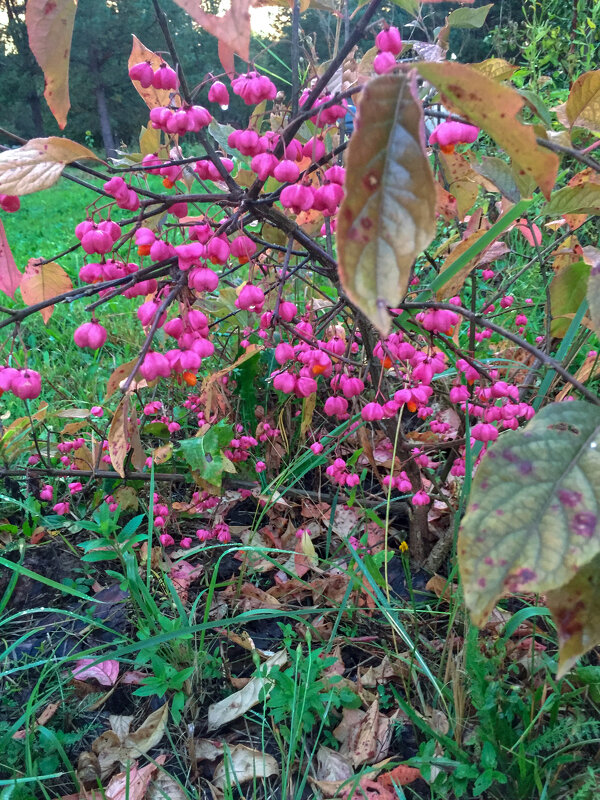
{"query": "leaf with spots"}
(575, 610)
(495, 107)
(50, 28)
(583, 104)
(204, 453)
(387, 216)
(533, 519)
(124, 437)
(42, 282)
(38, 164)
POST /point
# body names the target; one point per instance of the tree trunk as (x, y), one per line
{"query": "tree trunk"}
(36, 114)
(102, 105)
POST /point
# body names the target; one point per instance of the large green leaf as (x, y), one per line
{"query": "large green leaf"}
(582, 199)
(387, 216)
(534, 511)
(468, 17)
(204, 453)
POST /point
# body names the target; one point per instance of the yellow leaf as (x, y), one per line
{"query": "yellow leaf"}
(583, 104)
(387, 215)
(38, 164)
(455, 284)
(50, 28)
(496, 68)
(42, 282)
(494, 107)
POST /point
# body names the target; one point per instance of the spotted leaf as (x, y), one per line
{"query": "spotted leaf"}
(534, 512)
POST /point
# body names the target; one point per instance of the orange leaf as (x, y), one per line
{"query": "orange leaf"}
(494, 107)
(400, 775)
(38, 164)
(10, 277)
(583, 103)
(232, 29)
(151, 96)
(42, 282)
(50, 28)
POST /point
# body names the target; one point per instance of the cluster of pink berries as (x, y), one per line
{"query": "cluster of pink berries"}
(389, 45)
(25, 384)
(178, 121)
(162, 78)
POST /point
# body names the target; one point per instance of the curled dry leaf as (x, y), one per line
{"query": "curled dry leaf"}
(38, 164)
(242, 764)
(123, 436)
(10, 276)
(387, 215)
(50, 28)
(240, 702)
(42, 282)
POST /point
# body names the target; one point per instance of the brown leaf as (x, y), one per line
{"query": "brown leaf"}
(123, 436)
(583, 104)
(50, 28)
(120, 375)
(242, 764)
(38, 164)
(387, 215)
(494, 107)
(10, 276)
(455, 284)
(365, 736)
(151, 96)
(42, 282)
(232, 29)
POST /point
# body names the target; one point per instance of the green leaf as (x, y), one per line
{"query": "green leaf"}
(533, 515)
(593, 295)
(582, 199)
(500, 174)
(567, 291)
(468, 17)
(204, 453)
(387, 216)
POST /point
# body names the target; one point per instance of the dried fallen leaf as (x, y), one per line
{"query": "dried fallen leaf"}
(242, 764)
(38, 164)
(240, 702)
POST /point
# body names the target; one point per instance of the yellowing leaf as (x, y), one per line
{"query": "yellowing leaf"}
(124, 436)
(576, 612)
(10, 277)
(38, 164)
(232, 29)
(567, 291)
(494, 107)
(455, 284)
(387, 215)
(151, 96)
(42, 282)
(583, 104)
(534, 512)
(496, 68)
(50, 28)
(581, 199)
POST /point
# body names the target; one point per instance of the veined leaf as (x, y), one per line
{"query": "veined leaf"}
(494, 107)
(204, 453)
(581, 199)
(43, 281)
(10, 276)
(38, 164)
(387, 216)
(534, 513)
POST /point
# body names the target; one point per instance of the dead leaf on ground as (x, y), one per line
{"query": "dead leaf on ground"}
(364, 736)
(242, 764)
(119, 746)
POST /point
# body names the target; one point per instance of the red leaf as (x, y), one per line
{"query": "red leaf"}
(10, 277)
(50, 28)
